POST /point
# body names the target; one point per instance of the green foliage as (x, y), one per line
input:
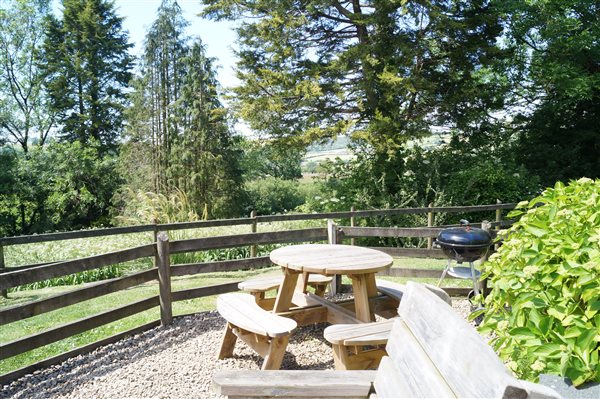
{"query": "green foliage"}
(380, 70)
(180, 138)
(148, 207)
(61, 186)
(558, 56)
(266, 159)
(23, 111)
(8, 196)
(87, 66)
(544, 307)
(453, 174)
(273, 195)
(204, 162)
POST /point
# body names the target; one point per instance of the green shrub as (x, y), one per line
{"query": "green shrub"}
(544, 307)
(140, 207)
(273, 195)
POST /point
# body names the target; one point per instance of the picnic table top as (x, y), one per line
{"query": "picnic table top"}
(331, 259)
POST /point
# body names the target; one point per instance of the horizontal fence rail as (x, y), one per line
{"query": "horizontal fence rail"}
(200, 292)
(220, 266)
(53, 270)
(164, 271)
(95, 290)
(390, 231)
(6, 241)
(276, 237)
(56, 334)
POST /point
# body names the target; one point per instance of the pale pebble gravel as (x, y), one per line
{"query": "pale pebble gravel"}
(177, 361)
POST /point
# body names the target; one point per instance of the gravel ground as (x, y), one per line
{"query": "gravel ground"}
(173, 362)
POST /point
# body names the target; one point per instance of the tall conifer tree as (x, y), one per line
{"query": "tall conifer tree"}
(88, 68)
(204, 163)
(383, 70)
(163, 73)
(179, 136)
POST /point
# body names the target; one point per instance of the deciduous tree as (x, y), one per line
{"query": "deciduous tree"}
(24, 115)
(560, 56)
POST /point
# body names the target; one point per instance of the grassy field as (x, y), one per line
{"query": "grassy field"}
(45, 252)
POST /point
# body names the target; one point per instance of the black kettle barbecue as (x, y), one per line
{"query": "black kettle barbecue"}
(464, 244)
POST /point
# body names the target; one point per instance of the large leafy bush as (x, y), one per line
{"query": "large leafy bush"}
(273, 195)
(544, 308)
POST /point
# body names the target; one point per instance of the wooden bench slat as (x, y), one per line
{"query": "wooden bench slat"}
(376, 333)
(271, 282)
(418, 373)
(387, 384)
(468, 364)
(242, 311)
(396, 290)
(294, 383)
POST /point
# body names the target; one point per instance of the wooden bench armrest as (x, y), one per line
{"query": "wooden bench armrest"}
(294, 383)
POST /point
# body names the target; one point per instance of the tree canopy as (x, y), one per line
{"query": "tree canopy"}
(23, 114)
(384, 71)
(558, 41)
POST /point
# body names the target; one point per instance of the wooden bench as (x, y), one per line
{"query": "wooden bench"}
(358, 346)
(433, 352)
(265, 332)
(396, 290)
(361, 347)
(260, 285)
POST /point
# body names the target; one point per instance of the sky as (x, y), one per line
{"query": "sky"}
(218, 37)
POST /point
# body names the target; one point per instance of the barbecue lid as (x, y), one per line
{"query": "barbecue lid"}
(464, 236)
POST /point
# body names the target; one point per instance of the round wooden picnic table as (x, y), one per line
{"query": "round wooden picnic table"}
(358, 263)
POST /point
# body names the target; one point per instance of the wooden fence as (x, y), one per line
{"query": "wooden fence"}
(161, 250)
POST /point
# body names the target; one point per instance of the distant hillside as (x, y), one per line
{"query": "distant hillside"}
(338, 144)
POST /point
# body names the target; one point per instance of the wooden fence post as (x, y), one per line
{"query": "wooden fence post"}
(333, 239)
(487, 226)
(254, 229)
(352, 224)
(430, 224)
(155, 241)
(498, 214)
(498, 220)
(164, 278)
(4, 292)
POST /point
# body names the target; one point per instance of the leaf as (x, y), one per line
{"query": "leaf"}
(536, 231)
(586, 339)
(556, 313)
(595, 305)
(522, 333)
(576, 376)
(548, 350)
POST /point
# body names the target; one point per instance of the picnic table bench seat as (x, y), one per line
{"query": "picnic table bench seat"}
(361, 347)
(358, 346)
(265, 332)
(260, 285)
(432, 352)
(396, 290)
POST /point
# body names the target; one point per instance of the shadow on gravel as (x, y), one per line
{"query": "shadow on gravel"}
(67, 376)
